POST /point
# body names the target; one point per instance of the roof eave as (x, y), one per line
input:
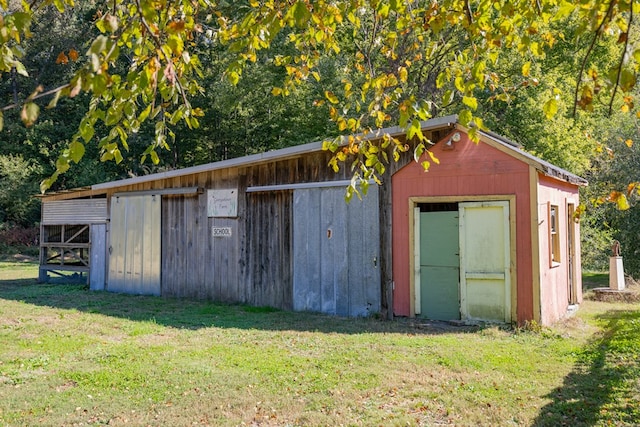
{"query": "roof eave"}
(268, 156)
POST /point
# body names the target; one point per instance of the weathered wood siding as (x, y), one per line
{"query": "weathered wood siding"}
(253, 265)
(97, 264)
(336, 252)
(266, 262)
(135, 233)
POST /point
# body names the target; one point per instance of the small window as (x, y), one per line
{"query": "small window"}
(554, 235)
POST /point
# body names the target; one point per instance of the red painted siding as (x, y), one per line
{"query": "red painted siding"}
(554, 278)
(469, 170)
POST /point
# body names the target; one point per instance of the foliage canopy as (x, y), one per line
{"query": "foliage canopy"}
(399, 62)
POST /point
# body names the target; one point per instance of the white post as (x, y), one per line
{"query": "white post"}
(616, 273)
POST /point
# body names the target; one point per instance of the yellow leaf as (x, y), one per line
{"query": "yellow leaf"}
(623, 203)
(233, 77)
(619, 199)
(470, 102)
(276, 91)
(526, 69)
(402, 74)
(550, 108)
(331, 97)
(434, 158)
(629, 143)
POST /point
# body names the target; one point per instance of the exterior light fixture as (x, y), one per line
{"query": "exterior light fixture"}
(449, 144)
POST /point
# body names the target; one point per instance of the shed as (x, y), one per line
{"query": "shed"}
(488, 234)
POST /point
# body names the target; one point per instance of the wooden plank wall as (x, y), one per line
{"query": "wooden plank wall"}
(266, 266)
(254, 265)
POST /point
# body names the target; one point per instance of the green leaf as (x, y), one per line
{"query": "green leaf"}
(415, 130)
(54, 100)
(98, 45)
(144, 114)
(20, 69)
(117, 155)
(62, 165)
(76, 151)
(441, 80)
(154, 157)
(418, 151)
(47, 183)
(627, 80)
(565, 9)
(86, 131)
(465, 117)
(29, 114)
(478, 72)
(301, 14)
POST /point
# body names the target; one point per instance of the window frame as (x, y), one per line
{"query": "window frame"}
(553, 213)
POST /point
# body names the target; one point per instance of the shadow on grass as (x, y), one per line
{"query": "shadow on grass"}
(604, 386)
(591, 280)
(195, 314)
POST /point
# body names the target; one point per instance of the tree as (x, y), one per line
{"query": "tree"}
(17, 186)
(402, 62)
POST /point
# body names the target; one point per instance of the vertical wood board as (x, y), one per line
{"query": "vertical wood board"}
(97, 264)
(336, 252)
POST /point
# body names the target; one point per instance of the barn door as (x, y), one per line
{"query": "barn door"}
(134, 251)
(485, 286)
(336, 252)
(437, 295)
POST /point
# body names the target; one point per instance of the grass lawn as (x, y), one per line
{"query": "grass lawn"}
(73, 357)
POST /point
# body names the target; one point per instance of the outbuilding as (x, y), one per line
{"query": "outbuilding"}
(489, 233)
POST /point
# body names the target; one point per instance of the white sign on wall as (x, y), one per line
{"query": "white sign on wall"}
(221, 231)
(222, 203)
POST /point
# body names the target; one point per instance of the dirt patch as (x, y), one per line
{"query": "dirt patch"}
(23, 258)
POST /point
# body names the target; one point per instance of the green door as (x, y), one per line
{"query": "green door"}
(439, 266)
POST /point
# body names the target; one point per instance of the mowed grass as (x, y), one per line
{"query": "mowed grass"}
(73, 357)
